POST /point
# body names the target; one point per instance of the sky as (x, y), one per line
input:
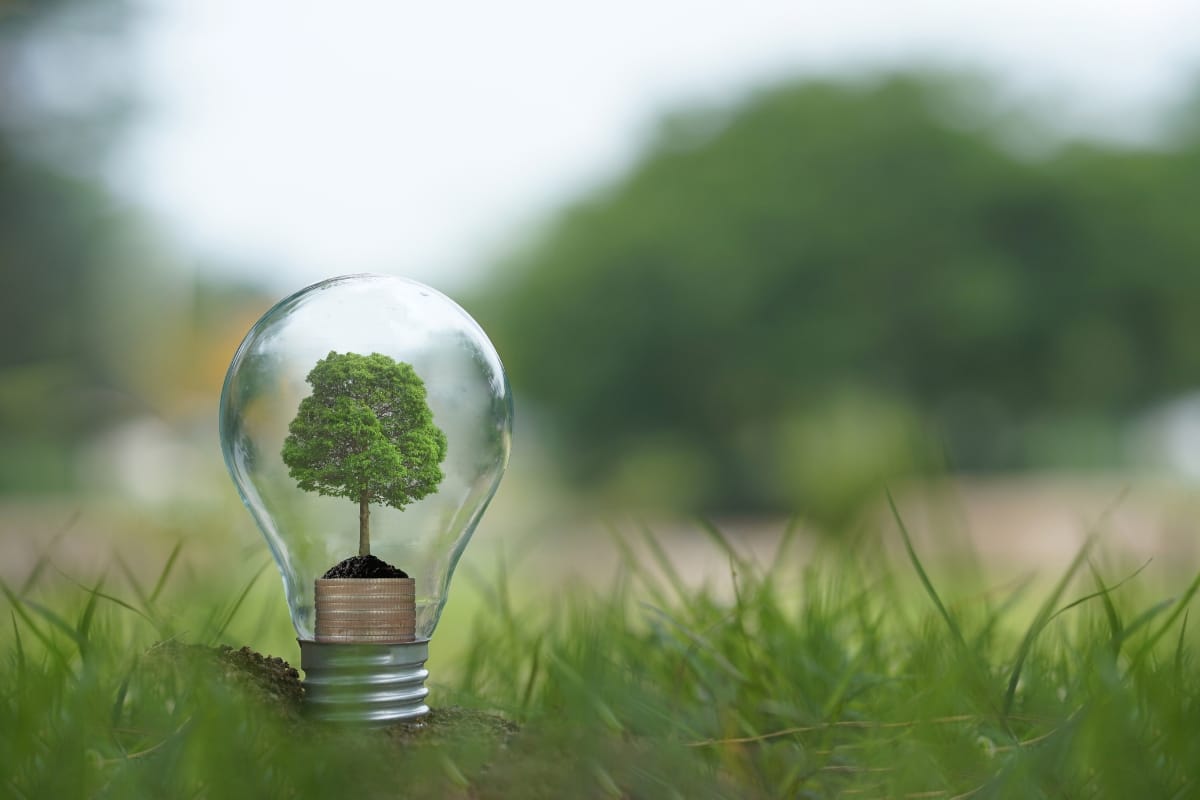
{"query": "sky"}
(292, 141)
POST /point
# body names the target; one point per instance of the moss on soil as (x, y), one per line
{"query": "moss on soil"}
(454, 723)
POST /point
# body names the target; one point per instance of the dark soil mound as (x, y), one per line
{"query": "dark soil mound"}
(274, 679)
(276, 686)
(454, 724)
(364, 567)
(269, 680)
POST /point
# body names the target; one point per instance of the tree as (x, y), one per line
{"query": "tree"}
(366, 432)
(876, 250)
(74, 261)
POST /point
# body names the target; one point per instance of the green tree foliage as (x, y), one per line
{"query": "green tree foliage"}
(82, 306)
(878, 248)
(366, 432)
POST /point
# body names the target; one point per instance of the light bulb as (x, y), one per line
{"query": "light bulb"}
(364, 463)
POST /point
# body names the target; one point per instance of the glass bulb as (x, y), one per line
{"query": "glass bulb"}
(465, 389)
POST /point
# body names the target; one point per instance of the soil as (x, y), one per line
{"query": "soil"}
(364, 567)
(270, 681)
(275, 685)
(454, 723)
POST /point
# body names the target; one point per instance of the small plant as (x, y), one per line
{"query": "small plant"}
(367, 433)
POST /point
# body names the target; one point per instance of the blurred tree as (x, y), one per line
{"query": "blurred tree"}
(838, 282)
(44, 364)
(81, 284)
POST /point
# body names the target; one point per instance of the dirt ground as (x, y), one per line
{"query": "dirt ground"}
(1007, 524)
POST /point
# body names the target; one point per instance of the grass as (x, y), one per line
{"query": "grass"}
(848, 677)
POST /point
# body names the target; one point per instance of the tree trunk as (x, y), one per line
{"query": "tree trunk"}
(364, 527)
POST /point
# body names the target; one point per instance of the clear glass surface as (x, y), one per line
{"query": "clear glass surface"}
(466, 390)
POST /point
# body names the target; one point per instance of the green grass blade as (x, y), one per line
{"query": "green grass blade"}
(31, 579)
(1006, 605)
(1145, 618)
(925, 582)
(651, 582)
(161, 583)
(119, 704)
(95, 592)
(504, 606)
(664, 562)
(132, 579)
(1179, 609)
(58, 622)
(1046, 612)
(1110, 609)
(1044, 615)
(790, 532)
(44, 558)
(702, 643)
(722, 541)
(1102, 592)
(20, 648)
(241, 599)
(84, 625)
(534, 664)
(1179, 650)
(41, 636)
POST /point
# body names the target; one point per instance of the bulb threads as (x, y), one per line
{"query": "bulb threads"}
(365, 684)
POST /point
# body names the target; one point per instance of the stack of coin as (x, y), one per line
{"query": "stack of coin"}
(366, 610)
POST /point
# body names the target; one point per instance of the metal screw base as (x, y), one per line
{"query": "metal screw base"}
(365, 684)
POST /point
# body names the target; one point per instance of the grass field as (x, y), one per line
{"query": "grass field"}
(852, 676)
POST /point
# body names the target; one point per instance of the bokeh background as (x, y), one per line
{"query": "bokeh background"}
(752, 262)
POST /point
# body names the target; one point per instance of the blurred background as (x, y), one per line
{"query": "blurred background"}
(748, 262)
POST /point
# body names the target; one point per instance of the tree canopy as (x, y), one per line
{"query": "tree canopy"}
(366, 433)
(781, 288)
(72, 259)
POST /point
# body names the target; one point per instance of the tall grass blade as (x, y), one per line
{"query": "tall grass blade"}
(1179, 609)
(701, 642)
(790, 532)
(1145, 618)
(1046, 612)
(241, 599)
(925, 582)
(1102, 592)
(633, 564)
(1006, 605)
(664, 562)
(39, 567)
(118, 708)
(1110, 609)
(132, 579)
(166, 571)
(84, 625)
(722, 541)
(1044, 615)
(534, 664)
(1179, 645)
(95, 592)
(602, 709)
(20, 655)
(44, 558)
(41, 636)
(58, 622)
(504, 605)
